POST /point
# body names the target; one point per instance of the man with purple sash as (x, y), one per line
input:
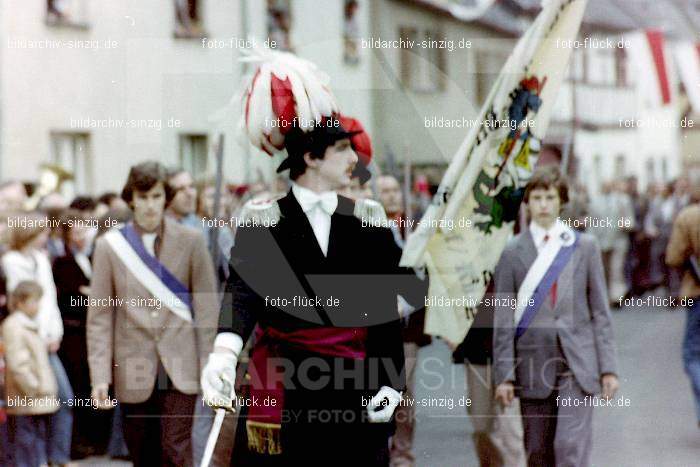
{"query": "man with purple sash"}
(153, 310)
(553, 336)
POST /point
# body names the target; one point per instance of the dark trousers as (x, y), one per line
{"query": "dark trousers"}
(313, 433)
(158, 431)
(558, 429)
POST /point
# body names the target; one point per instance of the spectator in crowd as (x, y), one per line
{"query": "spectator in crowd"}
(84, 204)
(390, 196)
(205, 200)
(614, 216)
(27, 260)
(182, 207)
(5, 446)
(72, 272)
(683, 249)
(53, 202)
(4, 242)
(624, 221)
(109, 201)
(31, 385)
(637, 261)
(54, 244)
(205, 210)
(658, 225)
(578, 207)
(357, 190)
(680, 199)
(87, 207)
(12, 196)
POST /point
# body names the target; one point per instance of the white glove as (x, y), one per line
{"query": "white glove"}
(219, 374)
(405, 308)
(384, 414)
(218, 378)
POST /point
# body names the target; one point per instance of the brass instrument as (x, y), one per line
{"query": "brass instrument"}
(51, 178)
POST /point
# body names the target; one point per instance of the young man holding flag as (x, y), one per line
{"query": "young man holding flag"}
(557, 347)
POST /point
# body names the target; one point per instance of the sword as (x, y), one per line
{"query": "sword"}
(216, 428)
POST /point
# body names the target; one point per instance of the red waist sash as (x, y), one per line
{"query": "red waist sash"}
(265, 419)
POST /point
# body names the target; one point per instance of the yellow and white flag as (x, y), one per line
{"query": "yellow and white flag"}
(463, 232)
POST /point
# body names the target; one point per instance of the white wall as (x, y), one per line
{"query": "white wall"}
(147, 75)
(399, 113)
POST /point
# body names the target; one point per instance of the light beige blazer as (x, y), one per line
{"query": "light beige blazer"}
(127, 334)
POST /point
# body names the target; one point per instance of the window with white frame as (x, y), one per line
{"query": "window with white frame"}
(603, 70)
(488, 66)
(423, 60)
(576, 65)
(71, 151)
(194, 154)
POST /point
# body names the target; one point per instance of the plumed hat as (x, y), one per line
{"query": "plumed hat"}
(361, 144)
(284, 93)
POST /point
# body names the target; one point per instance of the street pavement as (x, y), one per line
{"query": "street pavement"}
(657, 428)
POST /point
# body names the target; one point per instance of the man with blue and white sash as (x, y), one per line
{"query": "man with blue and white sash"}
(151, 321)
(553, 336)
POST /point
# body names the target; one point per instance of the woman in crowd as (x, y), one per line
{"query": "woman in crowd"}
(72, 272)
(27, 259)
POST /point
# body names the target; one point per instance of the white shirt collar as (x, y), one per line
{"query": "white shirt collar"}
(538, 232)
(309, 200)
(318, 208)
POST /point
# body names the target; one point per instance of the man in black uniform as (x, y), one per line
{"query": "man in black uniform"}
(315, 275)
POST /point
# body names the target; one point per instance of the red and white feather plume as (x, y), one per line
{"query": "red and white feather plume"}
(284, 90)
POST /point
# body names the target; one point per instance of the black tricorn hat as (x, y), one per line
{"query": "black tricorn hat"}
(325, 133)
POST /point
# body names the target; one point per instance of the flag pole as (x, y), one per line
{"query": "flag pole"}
(214, 232)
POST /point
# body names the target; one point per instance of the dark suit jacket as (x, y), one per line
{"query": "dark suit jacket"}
(579, 326)
(360, 271)
(68, 278)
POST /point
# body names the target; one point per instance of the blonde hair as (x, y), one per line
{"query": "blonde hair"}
(26, 227)
(24, 291)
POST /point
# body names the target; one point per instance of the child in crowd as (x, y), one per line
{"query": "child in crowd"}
(31, 388)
